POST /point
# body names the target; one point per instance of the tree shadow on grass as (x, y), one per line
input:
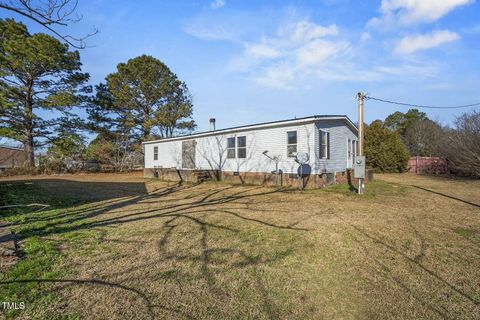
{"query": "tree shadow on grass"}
(447, 196)
(225, 257)
(91, 211)
(62, 193)
(159, 204)
(97, 282)
(417, 262)
(75, 221)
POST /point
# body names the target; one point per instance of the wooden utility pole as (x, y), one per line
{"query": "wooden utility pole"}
(361, 98)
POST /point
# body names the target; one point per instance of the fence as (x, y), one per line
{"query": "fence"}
(434, 165)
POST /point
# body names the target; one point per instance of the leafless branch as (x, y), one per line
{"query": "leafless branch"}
(49, 14)
(41, 205)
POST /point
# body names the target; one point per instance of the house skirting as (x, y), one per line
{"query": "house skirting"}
(256, 178)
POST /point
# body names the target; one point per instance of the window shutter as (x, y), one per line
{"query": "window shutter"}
(328, 145)
(320, 152)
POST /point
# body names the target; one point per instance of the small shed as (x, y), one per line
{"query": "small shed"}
(11, 157)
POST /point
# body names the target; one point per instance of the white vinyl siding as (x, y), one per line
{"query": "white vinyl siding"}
(339, 133)
(211, 151)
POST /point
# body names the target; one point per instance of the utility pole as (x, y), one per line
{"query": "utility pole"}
(361, 98)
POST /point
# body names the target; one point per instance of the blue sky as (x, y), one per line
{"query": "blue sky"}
(255, 61)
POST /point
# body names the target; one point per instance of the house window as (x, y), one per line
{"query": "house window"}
(291, 143)
(155, 153)
(231, 148)
(354, 148)
(350, 148)
(242, 147)
(324, 145)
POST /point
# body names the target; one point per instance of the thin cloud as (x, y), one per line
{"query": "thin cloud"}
(413, 43)
(262, 51)
(209, 33)
(472, 30)
(408, 12)
(301, 52)
(298, 49)
(365, 36)
(217, 4)
(304, 30)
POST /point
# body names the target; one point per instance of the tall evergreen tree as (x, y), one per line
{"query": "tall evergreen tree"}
(399, 121)
(37, 72)
(143, 98)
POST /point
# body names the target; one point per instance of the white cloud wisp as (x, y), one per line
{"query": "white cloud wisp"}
(217, 4)
(408, 12)
(297, 49)
(413, 43)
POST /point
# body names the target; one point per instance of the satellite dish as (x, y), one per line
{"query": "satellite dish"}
(304, 170)
(302, 157)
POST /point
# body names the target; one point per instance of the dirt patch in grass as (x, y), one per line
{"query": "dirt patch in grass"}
(125, 247)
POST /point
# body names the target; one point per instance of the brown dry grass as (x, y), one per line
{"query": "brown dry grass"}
(140, 249)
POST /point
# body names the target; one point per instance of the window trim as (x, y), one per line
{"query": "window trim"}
(155, 153)
(232, 148)
(323, 146)
(292, 144)
(238, 147)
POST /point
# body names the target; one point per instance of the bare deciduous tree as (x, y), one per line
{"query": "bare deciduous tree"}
(51, 14)
(116, 150)
(461, 145)
(422, 137)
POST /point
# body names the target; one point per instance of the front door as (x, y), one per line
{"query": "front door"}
(188, 154)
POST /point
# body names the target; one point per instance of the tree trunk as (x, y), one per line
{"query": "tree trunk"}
(146, 134)
(28, 129)
(29, 152)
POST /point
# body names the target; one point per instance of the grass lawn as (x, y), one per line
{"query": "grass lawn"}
(122, 247)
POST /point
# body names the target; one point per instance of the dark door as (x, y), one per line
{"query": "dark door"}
(188, 154)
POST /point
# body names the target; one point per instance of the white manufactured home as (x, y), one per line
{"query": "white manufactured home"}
(329, 140)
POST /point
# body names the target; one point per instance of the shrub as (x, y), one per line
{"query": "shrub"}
(384, 149)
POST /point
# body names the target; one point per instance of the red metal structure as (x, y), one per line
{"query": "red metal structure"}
(434, 165)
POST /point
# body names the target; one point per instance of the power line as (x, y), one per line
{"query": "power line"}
(422, 106)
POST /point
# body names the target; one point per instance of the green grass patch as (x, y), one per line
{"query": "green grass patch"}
(40, 256)
(464, 232)
(31, 279)
(22, 192)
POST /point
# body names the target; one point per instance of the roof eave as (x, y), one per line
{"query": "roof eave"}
(257, 126)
